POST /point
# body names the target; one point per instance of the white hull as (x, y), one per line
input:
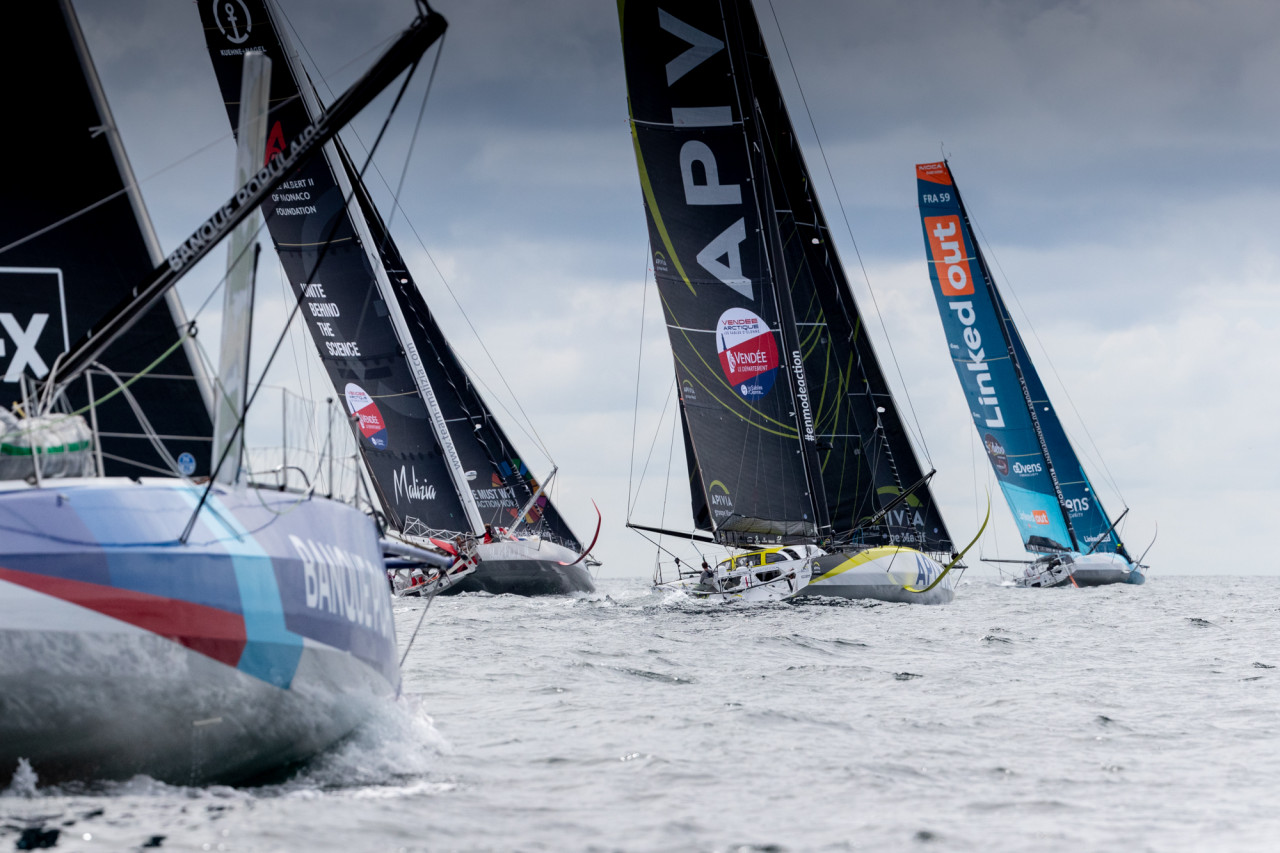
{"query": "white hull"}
(1080, 570)
(881, 574)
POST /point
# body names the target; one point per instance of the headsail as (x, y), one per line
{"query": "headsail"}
(433, 450)
(57, 283)
(785, 407)
(1052, 501)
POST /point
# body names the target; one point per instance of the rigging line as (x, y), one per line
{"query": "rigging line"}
(418, 627)
(297, 307)
(1111, 481)
(526, 426)
(137, 183)
(635, 411)
(657, 430)
(919, 434)
(413, 140)
(666, 491)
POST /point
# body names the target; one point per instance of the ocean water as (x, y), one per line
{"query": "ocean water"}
(1116, 718)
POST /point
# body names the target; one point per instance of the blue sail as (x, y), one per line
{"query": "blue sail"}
(988, 367)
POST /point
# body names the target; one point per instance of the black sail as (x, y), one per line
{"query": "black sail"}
(699, 172)
(74, 241)
(865, 455)
(334, 255)
(710, 127)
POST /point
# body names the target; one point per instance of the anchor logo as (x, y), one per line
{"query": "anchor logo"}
(240, 24)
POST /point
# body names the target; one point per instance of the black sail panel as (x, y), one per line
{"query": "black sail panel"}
(710, 260)
(866, 457)
(329, 270)
(79, 242)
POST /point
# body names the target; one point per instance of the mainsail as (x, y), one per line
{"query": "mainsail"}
(436, 456)
(71, 250)
(789, 423)
(1053, 503)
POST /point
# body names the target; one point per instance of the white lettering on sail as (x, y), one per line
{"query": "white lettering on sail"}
(25, 341)
(407, 485)
(802, 394)
(711, 191)
(977, 362)
(726, 246)
(701, 46)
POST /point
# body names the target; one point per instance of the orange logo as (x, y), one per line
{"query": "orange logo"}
(934, 173)
(1040, 516)
(946, 249)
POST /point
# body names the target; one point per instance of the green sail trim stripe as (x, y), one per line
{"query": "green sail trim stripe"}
(715, 371)
(793, 434)
(652, 202)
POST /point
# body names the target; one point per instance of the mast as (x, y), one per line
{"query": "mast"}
(453, 462)
(1017, 367)
(776, 269)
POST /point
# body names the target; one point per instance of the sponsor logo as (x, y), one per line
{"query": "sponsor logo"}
(936, 173)
(925, 571)
(1076, 506)
(339, 582)
(802, 394)
(719, 499)
(233, 20)
(1027, 469)
(699, 169)
(407, 485)
(367, 416)
(977, 364)
(275, 143)
(946, 249)
(186, 464)
(996, 451)
(1039, 516)
(29, 336)
(748, 352)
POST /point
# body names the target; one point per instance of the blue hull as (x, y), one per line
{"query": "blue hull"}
(264, 639)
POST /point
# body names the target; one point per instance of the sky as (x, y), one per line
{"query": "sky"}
(1117, 159)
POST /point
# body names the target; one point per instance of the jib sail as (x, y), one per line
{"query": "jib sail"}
(77, 241)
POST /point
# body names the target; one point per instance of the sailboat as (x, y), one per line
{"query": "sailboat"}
(442, 467)
(791, 433)
(1054, 505)
(150, 624)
